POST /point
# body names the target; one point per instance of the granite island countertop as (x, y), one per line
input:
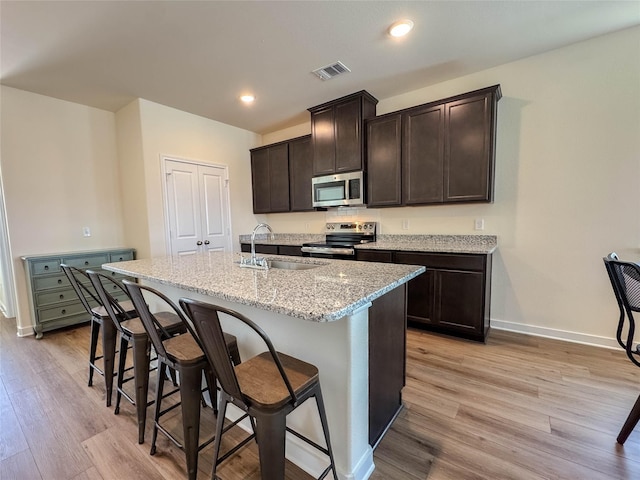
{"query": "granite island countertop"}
(473, 244)
(332, 290)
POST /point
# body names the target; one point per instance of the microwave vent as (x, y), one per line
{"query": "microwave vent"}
(329, 71)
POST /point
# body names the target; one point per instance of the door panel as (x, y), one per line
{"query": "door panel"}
(198, 207)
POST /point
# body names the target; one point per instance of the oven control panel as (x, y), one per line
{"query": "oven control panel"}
(351, 227)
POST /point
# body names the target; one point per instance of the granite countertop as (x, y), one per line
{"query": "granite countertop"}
(478, 244)
(334, 289)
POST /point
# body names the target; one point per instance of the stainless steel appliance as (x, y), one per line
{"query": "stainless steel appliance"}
(341, 189)
(340, 239)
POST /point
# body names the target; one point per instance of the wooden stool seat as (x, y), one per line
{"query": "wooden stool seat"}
(134, 326)
(261, 382)
(100, 311)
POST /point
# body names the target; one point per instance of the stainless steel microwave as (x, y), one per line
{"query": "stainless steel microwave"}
(339, 190)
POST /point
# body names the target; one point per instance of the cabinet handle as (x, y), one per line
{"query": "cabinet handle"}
(198, 242)
(64, 310)
(86, 262)
(59, 281)
(120, 259)
(61, 296)
(46, 267)
(206, 242)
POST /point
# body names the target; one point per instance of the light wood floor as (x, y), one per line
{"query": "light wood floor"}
(518, 407)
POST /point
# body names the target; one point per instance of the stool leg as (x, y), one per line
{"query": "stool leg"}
(122, 361)
(95, 332)
(271, 436)
(630, 423)
(190, 390)
(162, 368)
(108, 355)
(325, 429)
(224, 400)
(141, 356)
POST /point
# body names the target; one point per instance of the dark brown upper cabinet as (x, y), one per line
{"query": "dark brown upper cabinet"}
(270, 178)
(384, 174)
(337, 133)
(300, 174)
(445, 152)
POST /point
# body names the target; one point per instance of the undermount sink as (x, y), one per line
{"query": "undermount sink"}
(291, 265)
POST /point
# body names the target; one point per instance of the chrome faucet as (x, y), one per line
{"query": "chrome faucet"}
(257, 262)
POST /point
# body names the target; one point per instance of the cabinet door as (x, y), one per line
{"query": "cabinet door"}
(260, 180)
(422, 155)
(384, 161)
(300, 174)
(348, 136)
(279, 178)
(420, 290)
(459, 300)
(468, 155)
(323, 135)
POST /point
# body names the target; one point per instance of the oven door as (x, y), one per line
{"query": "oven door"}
(327, 251)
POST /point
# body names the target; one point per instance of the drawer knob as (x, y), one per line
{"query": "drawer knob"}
(46, 267)
(86, 262)
(59, 281)
(61, 296)
(64, 310)
(120, 259)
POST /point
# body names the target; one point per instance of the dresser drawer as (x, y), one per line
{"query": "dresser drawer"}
(121, 257)
(40, 267)
(60, 296)
(87, 261)
(48, 314)
(53, 281)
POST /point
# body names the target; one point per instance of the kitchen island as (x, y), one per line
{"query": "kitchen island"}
(347, 318)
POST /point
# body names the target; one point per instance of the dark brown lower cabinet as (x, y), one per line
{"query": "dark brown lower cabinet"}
(387, 353)
(291, 250)
(453, 296)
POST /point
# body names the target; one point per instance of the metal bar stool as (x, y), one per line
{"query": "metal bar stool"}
(184, 355)
(625, 280)
(99, 318)
(131, 333)
(267, 387)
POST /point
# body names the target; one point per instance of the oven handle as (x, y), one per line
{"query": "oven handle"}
(329, 250)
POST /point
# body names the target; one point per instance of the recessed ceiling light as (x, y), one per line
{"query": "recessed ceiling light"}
(400, 28)
(247, 98)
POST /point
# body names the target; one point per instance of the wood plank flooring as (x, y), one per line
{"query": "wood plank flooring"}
(519, 407)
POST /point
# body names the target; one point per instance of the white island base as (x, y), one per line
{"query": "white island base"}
(340, 350)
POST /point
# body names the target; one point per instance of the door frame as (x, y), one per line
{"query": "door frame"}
(165, 197)
(7, 308)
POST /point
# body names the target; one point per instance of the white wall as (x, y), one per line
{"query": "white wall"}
(60, 173)
(567, 172)
(171, 132)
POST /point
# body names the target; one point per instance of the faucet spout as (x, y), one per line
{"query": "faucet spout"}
(253, 240)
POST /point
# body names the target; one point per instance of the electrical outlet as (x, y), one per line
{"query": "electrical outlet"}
(86, 231)
(405, 224)
(479, 224)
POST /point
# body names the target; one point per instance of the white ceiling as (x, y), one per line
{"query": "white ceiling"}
(199, 56)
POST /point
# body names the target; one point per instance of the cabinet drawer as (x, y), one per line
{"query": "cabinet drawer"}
(121, 257)
(442, 260)
(53, 281)
(292, 250)
(40, 267)
(87, 261)
(60, 296)
(383, 256)
(47, 314)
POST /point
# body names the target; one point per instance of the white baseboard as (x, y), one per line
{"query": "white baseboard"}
(25, 331)
(575, 337)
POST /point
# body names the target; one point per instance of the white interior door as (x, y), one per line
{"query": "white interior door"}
(197, 207)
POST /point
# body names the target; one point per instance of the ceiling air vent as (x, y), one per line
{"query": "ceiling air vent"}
(330, 71)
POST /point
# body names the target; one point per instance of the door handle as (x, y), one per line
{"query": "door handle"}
(198, 243)
(206, 242)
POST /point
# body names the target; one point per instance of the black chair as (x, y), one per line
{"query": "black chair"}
(132, 333)
(267, 387)
(99, 318)
(184, 355)
(625, 280)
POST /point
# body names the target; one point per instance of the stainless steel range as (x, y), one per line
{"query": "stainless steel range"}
(340, 239)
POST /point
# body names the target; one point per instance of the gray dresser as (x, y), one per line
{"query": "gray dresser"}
(52, 300)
